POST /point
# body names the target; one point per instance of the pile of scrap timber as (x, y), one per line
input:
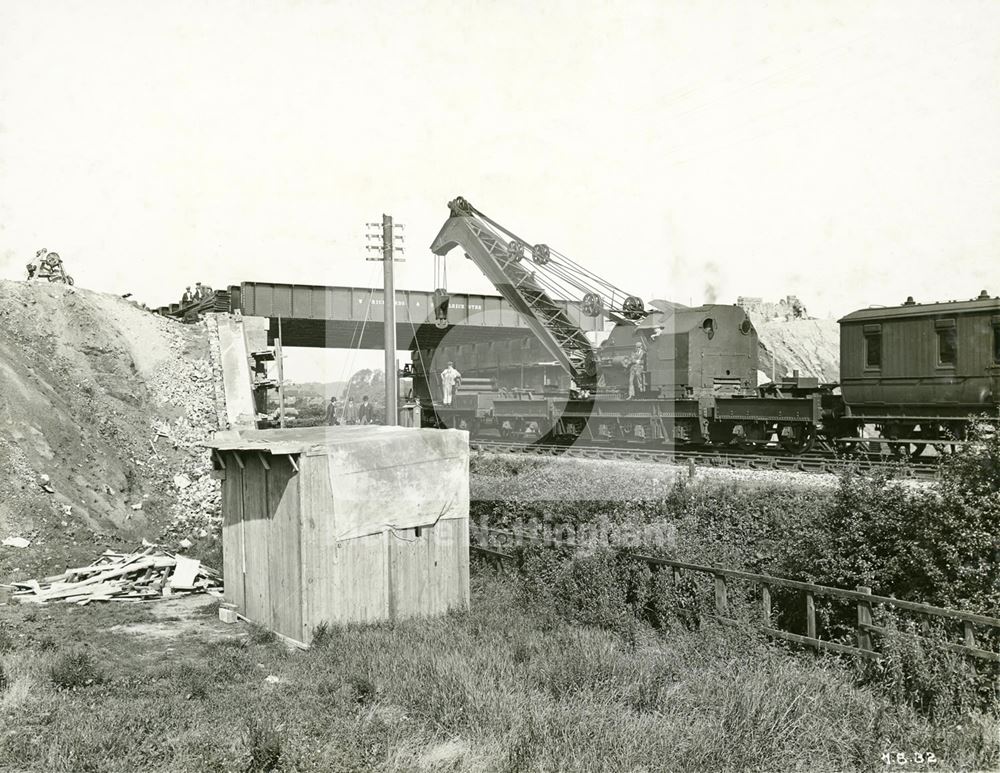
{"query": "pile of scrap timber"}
(122, 577)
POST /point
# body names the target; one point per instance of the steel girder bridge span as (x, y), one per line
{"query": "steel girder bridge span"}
(321, 316)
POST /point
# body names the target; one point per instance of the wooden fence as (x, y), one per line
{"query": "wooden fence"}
(863, 598)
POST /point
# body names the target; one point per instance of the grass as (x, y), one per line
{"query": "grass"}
(74, 671)
(504, 687)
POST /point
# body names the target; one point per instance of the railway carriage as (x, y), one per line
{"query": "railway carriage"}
(919, 370)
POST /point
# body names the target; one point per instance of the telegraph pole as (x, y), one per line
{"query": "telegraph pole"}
(388, 249)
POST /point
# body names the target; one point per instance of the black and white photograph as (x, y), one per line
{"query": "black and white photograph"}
(500, 386)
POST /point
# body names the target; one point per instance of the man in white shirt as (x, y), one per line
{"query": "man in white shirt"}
(449, 378)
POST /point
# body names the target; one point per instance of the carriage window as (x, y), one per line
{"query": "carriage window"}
(947, 346)
(873, 350)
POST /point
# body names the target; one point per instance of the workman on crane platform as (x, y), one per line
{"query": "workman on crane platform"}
(637, 371)
(450, 378)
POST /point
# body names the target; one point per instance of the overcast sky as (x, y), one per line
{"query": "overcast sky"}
(843, 151)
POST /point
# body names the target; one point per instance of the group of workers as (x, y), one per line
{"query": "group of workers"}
(200, 293)
(45, 265)
(351, 413)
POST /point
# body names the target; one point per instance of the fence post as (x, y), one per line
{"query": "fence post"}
(810, 615)
(969, 634)
(765, 599)
(721, 597)
(864, 618)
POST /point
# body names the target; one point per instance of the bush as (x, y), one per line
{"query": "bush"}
(362, 689)
(916, 668)
(264, 744)
(261, 635)
(74, 670)
(322, 635)
(6, 640)
(4, 679)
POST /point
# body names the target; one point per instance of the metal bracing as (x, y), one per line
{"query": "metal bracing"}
(530, 286)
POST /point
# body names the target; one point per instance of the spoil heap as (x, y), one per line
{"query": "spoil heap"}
(810, 346)
(101, 407)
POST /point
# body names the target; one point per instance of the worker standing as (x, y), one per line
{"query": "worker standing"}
(350, 412)
(637, 371)
(199, 291)
(33, 264)
(187, 297)
(331, 413)
(365, 412)
(450, 378)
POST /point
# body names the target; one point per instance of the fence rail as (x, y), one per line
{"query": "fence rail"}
(863, 598)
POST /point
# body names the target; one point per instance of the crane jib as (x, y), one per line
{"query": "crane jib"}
(559, 334)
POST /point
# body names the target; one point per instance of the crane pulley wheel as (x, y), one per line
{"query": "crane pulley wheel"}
(633, 308)
(540, 254)
(592, 305)
(515, 250)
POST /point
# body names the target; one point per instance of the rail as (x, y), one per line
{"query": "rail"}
(864, 599)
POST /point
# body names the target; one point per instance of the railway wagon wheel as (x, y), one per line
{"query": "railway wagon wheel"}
(946, 433)
(851, 447)
(751, 435)
(797, 438)
(899, 450)
(720, 433)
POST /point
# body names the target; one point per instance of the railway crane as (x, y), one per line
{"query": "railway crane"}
(528, 277)
(669, 374)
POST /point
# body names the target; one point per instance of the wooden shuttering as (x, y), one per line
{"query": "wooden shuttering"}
(286, 569)
(393, 574)
(261, 540)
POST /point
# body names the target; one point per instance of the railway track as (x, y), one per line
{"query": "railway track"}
(720, 458)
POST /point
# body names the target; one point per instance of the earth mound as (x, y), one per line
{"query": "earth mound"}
(102, 404)
(810, 346)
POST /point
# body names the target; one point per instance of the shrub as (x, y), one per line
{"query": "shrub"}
(74, 670)
(6, 640)
(362, 689)
(261, 635)
(4, 679)
(47, 644)
(918, 669)
(322, 635)
(264, 744)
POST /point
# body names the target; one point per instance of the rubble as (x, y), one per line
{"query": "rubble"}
(16, 542)
(141, 576)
